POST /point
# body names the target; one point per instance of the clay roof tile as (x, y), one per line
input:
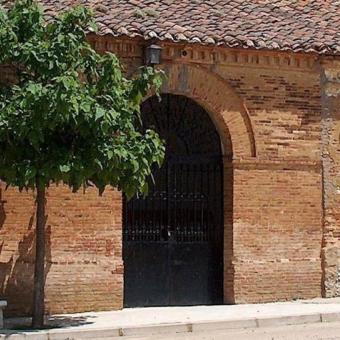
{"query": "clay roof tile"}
(308, 26)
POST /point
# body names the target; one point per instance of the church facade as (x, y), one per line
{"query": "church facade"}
(246, 208)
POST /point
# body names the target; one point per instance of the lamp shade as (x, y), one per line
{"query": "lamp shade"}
(153, 54)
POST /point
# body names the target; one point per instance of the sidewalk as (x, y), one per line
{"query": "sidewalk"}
(150, 321)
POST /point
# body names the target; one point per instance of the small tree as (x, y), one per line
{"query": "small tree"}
(70, 116)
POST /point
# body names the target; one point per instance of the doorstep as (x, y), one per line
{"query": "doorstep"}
(152, 321)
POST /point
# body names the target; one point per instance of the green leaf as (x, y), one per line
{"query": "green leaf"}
(135, 165)
(110, 154)
(64, 168)
(99, 113)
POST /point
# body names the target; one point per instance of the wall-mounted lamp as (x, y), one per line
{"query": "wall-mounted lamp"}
(153, 55)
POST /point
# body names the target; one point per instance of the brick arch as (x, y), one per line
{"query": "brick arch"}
(225, 107)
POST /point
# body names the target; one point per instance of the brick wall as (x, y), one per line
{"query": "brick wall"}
(84, 254)
(284, 106)
(277, 233)
(273, 243)
(277, 202)
(267, 107)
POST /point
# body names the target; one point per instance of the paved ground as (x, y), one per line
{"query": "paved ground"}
(200, 322)
(136, 317)
(318, 331)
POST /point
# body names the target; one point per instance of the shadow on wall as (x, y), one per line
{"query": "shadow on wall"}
(229, 272)
(2, 211)
(17, 274)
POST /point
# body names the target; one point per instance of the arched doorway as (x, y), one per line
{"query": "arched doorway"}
(173, 239)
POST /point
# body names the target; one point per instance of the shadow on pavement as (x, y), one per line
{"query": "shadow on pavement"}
(52, 322)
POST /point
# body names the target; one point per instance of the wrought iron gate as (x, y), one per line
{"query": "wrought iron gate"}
(173, 239)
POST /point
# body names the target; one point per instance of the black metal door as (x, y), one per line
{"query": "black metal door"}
(173, 239)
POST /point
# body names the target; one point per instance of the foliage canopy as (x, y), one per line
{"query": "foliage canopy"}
(70, 115)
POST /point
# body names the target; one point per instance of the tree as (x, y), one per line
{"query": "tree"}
(70, 116)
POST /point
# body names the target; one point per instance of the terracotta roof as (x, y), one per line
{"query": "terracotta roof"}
(288, 25)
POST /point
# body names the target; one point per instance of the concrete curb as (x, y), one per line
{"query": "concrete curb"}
(146, 330)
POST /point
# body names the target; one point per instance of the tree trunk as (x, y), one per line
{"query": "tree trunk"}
(39, 269)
